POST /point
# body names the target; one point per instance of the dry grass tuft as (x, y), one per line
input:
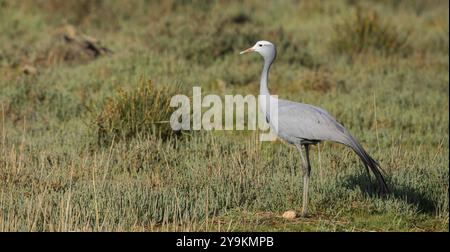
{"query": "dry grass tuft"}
(366, 32)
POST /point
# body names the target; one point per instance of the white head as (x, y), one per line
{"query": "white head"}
(265, 48)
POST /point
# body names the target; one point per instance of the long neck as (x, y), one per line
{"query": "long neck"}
(264, 90)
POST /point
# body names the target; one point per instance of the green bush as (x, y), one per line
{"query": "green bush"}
(145, 110)
(365, 32)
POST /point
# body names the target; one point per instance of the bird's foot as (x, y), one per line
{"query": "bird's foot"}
(304, 214)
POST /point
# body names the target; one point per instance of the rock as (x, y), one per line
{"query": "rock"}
(29, 70)
(289, 215)
(69, 32)
(66, 45)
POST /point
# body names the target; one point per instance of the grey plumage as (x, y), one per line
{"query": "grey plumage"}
(303, 124)
(300, 123)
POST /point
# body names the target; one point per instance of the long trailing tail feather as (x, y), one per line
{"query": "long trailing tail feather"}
(371, 164)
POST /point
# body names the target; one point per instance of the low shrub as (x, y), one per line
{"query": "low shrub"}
(145, 110)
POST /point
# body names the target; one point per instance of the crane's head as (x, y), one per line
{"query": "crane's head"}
(265, 48)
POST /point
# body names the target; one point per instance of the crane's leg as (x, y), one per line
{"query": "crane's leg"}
(306, 173)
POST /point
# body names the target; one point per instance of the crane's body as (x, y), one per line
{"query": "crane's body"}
(302, 124)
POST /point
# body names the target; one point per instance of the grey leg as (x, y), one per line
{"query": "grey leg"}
(306, 173)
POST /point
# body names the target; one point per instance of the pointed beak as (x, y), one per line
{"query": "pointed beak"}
(247, 50)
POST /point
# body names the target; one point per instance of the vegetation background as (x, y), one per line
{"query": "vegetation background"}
(84, 139)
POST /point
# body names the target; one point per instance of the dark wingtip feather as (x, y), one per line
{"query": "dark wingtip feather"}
(373, 165)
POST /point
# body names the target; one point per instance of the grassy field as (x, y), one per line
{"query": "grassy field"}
(82, 84)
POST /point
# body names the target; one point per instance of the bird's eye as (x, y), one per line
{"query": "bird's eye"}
(260, 45)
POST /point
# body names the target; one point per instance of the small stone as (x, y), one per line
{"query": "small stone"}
(70, 32)
(289, 215)
(30, 70)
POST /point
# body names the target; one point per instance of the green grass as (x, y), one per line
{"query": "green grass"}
(56, 176)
